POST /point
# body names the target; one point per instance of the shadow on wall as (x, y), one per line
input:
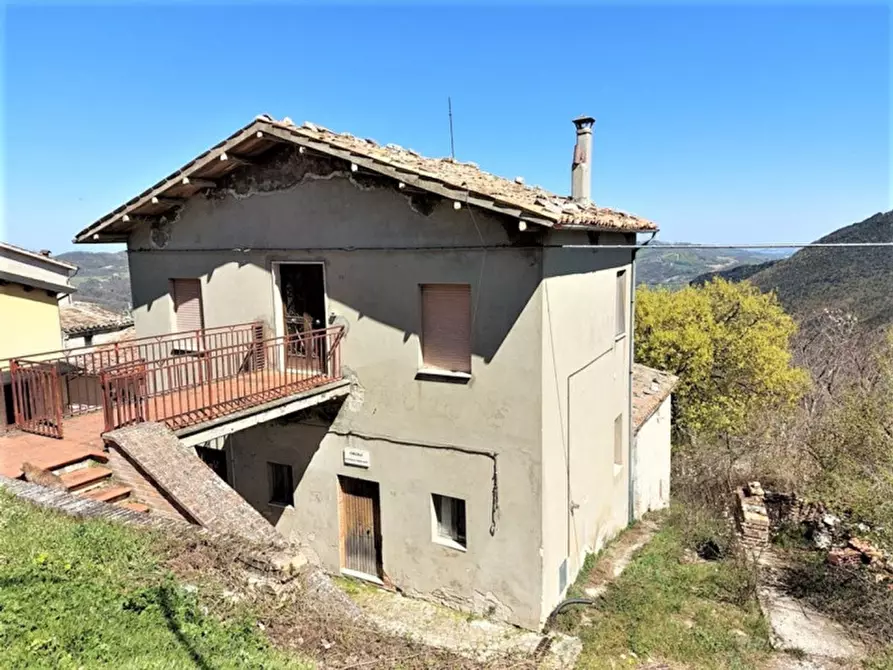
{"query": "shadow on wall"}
(383, 286)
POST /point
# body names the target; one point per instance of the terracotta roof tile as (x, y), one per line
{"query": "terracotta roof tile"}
(650, 388)
(80, 317)
(561, 210)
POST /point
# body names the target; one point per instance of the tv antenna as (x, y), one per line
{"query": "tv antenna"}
(452, 143)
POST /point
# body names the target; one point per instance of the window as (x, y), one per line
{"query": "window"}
(449, 520)
(618, 441)
(446, 327)
(620, 312)
(88, 340)
(187, 296)
(282, 488)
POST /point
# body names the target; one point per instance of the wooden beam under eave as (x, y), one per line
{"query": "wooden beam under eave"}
(237, 159)
(162, 200)
(198, 183)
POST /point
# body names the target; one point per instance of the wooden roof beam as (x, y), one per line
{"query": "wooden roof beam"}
(163, 200)
(198, 183)
(237, 159)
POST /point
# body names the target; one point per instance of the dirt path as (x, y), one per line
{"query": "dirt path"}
(613, 560)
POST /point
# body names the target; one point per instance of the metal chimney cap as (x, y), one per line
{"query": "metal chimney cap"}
(583, 122)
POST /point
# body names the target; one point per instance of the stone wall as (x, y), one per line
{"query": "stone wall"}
(126, 471)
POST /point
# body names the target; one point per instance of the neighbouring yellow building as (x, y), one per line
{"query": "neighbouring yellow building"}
(31, 285)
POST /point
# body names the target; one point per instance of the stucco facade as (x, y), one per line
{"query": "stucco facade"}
(527, 442)
(653, 461)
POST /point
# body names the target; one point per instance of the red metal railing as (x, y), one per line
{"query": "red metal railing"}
(191, 386)
(36, 397)
(79, 368)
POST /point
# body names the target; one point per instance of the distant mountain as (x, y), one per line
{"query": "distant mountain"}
(857, 280)
(102, 277)
(674, 268)
(737, 273)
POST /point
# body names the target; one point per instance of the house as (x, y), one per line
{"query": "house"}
(86, 324)
(652, 418)
(31, 284)
(484, 325)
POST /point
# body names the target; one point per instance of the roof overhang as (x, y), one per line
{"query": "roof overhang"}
(247, 146)
(12, 278)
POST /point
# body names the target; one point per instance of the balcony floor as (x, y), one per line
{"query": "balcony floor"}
(210, 402)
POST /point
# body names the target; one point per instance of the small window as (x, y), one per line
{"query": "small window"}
(282, 489)
(618, 440)
(620, 313)
(446, 327)
(449, 518)
(88, 340)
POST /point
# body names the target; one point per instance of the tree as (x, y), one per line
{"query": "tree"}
(730, 346)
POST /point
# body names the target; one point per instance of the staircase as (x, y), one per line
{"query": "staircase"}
(88, 478)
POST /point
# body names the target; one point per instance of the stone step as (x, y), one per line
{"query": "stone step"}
(108, 494)
(84, 479)
(73, 459)
(135, 506)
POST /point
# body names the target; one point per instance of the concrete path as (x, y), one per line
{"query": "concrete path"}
(820, 642)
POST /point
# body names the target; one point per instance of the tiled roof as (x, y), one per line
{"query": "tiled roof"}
(445, 177)
(561, 210)
(650, 388)
(82, 317)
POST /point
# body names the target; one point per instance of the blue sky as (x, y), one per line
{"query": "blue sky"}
(746, 123)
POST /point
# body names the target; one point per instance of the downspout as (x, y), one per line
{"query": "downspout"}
(632, 334)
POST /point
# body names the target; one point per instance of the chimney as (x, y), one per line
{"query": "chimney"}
(581, 168)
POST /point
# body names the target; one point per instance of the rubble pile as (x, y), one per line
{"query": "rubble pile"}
(760, 512)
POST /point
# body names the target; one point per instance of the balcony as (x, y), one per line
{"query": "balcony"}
(186, 380)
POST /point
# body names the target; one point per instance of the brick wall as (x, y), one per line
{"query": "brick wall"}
(128, 473)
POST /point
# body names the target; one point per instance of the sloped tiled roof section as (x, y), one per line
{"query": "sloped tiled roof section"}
(450, 178)
(650, 388)
(84, 317)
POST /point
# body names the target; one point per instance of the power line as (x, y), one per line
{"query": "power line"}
(768, 245)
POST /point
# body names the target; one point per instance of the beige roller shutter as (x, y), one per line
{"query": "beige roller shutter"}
(187, 295)
(446, 326)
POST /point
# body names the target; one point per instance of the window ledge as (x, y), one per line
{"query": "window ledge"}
(443, 375)
(280, 505)
(447, 542)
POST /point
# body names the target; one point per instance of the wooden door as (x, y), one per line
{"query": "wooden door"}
(360, 526)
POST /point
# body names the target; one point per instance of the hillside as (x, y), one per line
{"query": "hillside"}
(102, 278)
(656, 266)
(857, 280)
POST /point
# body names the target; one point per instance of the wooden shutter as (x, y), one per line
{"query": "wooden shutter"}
(446, 326)
(620, 305)
(187, 294)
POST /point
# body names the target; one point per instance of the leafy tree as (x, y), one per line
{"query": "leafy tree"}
(730, 346)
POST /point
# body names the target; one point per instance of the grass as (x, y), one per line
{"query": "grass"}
(91, 594)
(668, 608)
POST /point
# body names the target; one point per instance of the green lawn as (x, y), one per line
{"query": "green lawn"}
(91, 594)
(663, 607)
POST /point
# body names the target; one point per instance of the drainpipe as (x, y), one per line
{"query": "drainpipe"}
(631, 341)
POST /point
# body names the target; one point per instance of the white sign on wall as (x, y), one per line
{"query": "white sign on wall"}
(356, 457)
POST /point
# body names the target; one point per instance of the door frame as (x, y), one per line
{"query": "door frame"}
(342, 527)
(279, 308)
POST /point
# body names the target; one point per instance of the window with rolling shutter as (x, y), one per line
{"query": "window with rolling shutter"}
(187, 295)
(446, 327)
